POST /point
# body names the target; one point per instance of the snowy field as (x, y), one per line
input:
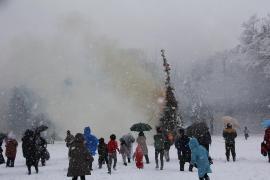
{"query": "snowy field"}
(250, 165)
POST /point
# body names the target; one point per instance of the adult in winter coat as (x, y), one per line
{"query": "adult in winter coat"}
(246, 132)
(142, 141)
(79, 159)
(124, 151)
(183, 150)
(159, 148)
(42, 148)
(138, 155)
(112, 152)
(69, 138)
(129, 139)
(11, 150)
(229, 134)
(30, 151)
(91, 143)
(267, 141)
(199, 158)
(102, 152)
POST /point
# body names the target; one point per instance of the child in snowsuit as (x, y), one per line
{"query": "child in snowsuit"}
(112, 152)
(102, 152)
(199, 158)
(79, 159)
(229, 135)
(11, 150)
(159, 148)
(138, 155)
(124, 151)
(30, 151)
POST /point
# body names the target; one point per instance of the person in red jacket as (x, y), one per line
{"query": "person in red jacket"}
(112, 153)
(267, 141)
(11, 150)
(138, 155)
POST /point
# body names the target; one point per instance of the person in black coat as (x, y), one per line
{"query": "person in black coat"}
(229, 134)
(102, 152)
(184, 152)
(30, 151)
(42, 148)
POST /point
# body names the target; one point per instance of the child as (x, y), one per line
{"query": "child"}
(112, 148)
(79, 159)
(102, 152)
(138, 155)
(199, 158)
(11, 149)
(124, 151)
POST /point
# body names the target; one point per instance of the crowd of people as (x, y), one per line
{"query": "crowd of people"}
(83, 147)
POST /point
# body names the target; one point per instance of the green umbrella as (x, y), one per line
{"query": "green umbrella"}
(140, 127)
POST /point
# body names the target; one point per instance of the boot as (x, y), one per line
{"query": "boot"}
(234, 159)
(190, 168)
(128, 160)
(181, 166)
(36, 168)
(146, 159)
(29, 170)
(228, 158)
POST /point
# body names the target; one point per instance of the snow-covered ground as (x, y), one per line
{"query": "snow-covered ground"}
(250, 165)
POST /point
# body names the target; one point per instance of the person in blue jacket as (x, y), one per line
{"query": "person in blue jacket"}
(91, 143)
(199, 158)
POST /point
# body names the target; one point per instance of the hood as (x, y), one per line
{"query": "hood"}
(87, 130)
(193, 143)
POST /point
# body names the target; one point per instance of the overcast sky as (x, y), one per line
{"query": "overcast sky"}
(186, 28)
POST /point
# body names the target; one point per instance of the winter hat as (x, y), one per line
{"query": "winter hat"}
(101, 140)
(112, 137)
(229, 125)
(181, 131)
(79, 138)
(141, 134)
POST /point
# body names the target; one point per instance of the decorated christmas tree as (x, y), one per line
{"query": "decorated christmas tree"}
(170, 117)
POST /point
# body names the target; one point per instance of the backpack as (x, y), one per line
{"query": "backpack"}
(158, 142)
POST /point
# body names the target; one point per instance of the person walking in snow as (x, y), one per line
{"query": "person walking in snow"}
(142, 141)
(267, 142)
(112, 152)
(79, 159)
(41, 144)
(199, 158)
(167, 147)
(69, 138)
(183, 150)
(229, 134)
(129, 139)
(91, 143)
(138, 156)
(30, 151)
(159, 148)
(124, 151)
(246, 132)
(103, 153)
(11, 149)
